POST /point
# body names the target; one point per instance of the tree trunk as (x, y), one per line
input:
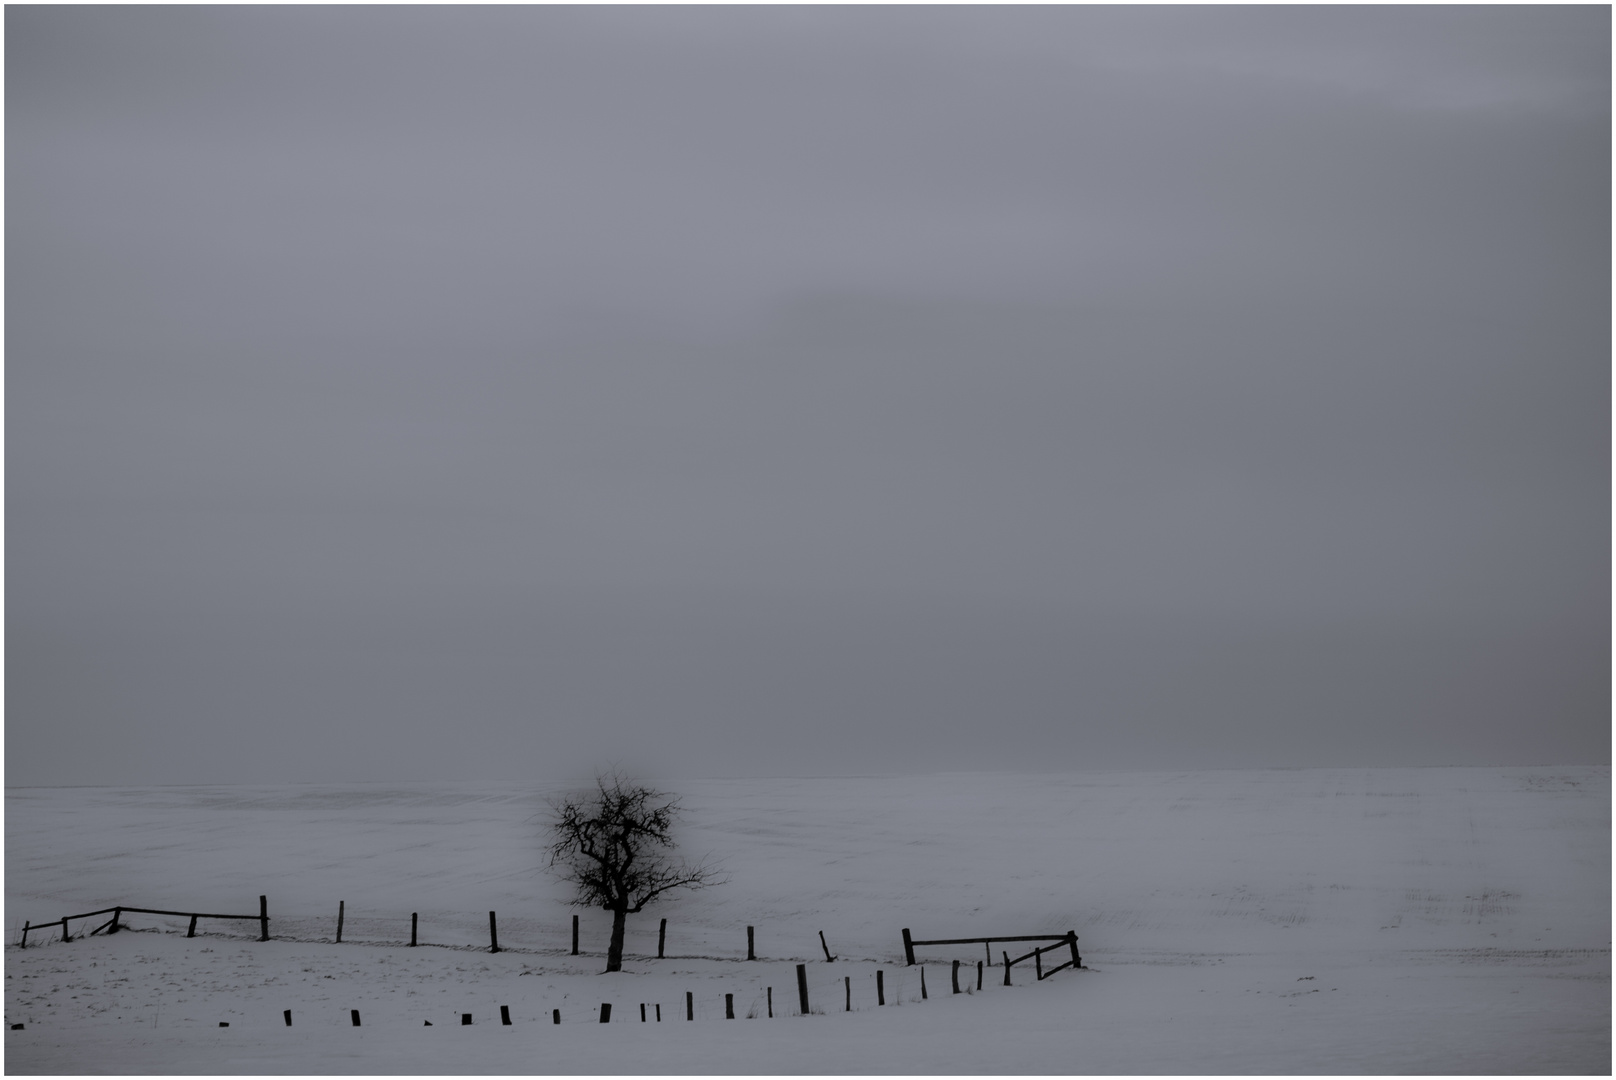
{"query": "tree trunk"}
(614, 953)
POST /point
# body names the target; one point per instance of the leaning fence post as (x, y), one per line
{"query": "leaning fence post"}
(1038, 964)
(802, 987)
(1007, 969)
(192, 931)
(661, 937)
(23, 944)
(493, 934)
(908, 948)
(829, 959)
(263, 919)
(341, 910)
(1077, 961)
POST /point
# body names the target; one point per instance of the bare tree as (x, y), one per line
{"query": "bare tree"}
(615, 844)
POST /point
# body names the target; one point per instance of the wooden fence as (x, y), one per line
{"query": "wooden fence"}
(113, 925)
(1036, 956)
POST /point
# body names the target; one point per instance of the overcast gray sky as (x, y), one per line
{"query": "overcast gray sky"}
(402, 393)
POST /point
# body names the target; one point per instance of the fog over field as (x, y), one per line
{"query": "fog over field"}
(1140, 471)
(1287, 921)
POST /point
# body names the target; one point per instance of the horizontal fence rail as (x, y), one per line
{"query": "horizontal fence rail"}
(118, 911)
(909, 944)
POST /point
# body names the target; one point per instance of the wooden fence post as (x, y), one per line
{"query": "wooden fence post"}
(117, 917)
(908, 948)
(880, 990)
(979, 975)
(642, 1012)
(192, 931)
(414, 915)
(659, 1012)
(988, 945)
(1077, 961)
(802, 987)
(23, 944)
(354, 1014)
(749, 954)
(1038, 964)
(263, 921)
(923, 982)
(690, 1005)
(64, 929)
(575, 935)
(493, 934)
(661, 937)
(956, 976)
(288, 1014)
(505, 1015)
(1007, 969)
(829, 959)
(847, 981)
(555, 1015)
(729, 1006)
(770, 996)
(465, 1019)
(341, 909)
(605, 1012)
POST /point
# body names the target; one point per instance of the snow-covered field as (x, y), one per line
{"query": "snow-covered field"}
(1298, 921)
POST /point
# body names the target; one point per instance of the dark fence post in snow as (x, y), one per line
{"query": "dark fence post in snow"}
(465, 1019)
(1007, 969)
(988, 945)
(117, 917)
(922, 982)
(880, 990)
(908, 948)
(847, 980)
(414, 915)
(23, 944)
(659, 1012)
(829, 959)
(505, 1015)
(1038, 964)
(770, 993)
(661, 938)
(64, 929)
(979, 975)
(263, 920)
(642, 1012)
(802, 987)
(1077, 961)
(341, 910)
(192, 931)
(605, 1012)
(690, 1005)
(355, 1014)
(749, 954)
(729, 1006)
(555, 1015)
(575, 935)
(288, 1014)
(493, 934)
(956, 976)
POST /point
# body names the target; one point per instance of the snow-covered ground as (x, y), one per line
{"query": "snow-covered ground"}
(1296, 921)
